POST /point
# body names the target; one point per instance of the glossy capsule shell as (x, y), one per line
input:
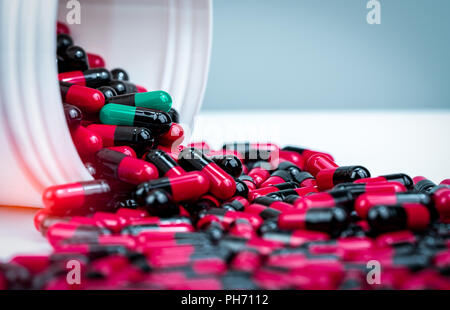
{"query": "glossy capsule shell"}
(328, 178)
(113, 135)
(117, 114)
(87, 99)
(323, 199)
(119, 74)
(366, 201)
(86, 142)
(165, 164)
(95, 61)
(174, 136)
(396, 177)
(262, 191)
(399, 217)
(186, 187)
(128, 151)
(157, 100)
(222, 185)
(75, 198)
(125, 168)
(62, 28)
(295, 238)
(125, 87)
(73, 115)
(91, 78)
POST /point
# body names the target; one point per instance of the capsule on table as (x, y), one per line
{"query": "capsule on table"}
(222, 185)
(95, 61)
(323, 199)
(166, 165)
(229, 163)
(328, 178)
(86, 142)
(76, 198)
(366, 201)
(73, 115)
(396, 177)
(117, 114)
(319, 162)
(174, 136)
(411, 216)
(125, 168)
(87, 99)
(156, 100)
(329, 220)
(93, 78)
(278, 177)
(186, 187)
(113, 135)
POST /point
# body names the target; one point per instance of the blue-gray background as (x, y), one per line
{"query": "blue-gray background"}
(322, 54)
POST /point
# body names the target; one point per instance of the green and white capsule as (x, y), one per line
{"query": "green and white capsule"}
(157, 100)
(118, 114)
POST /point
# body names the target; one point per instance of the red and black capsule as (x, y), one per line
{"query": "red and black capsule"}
(77, 198)
(273, 203)
(379, 187)
(366, 201)
(396, 177)
(91, 78)
(173, 137)
(119, 74)
(227, 217)
(222, 185)
(63, 41)
(62, 28)
(186, 187)
(329, 220)
(229, 163)
(303, 178)
(259, 173)
(262, 191)
(86, 142)
(295, 238)
(113, 135)
(285, 193)
(70, 232)
(266, 212)
(305, 153)
(248, 180)
(277, 177)
(125, 168)
(159, 203)
(166, 165)
(43, 220)
(242, 228)
(411, 216)
(248, 260)
(323, 199)
(439, 193)
(74, 58)
(107, 91)
(73, 115)
(87, 99)
(235, 204)
(95, 61)
(128, 151)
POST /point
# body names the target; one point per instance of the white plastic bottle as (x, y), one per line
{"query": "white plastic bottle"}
(163, 44)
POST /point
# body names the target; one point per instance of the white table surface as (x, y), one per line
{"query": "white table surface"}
(414, 142)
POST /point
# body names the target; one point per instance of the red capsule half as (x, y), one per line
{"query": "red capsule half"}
(85, 98)
(95, 61)
(86, 141)
(128, 151)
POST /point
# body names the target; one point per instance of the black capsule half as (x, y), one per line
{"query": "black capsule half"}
(119, 74)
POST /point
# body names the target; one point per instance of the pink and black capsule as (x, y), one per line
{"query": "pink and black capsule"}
(222, 185)
(166, 165)
(113, 135)
(74, 58)
(119, 74)
(229, 163)
(91, 78)
(396, 177)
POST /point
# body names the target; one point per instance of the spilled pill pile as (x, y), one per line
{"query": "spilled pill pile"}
(163, 215)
